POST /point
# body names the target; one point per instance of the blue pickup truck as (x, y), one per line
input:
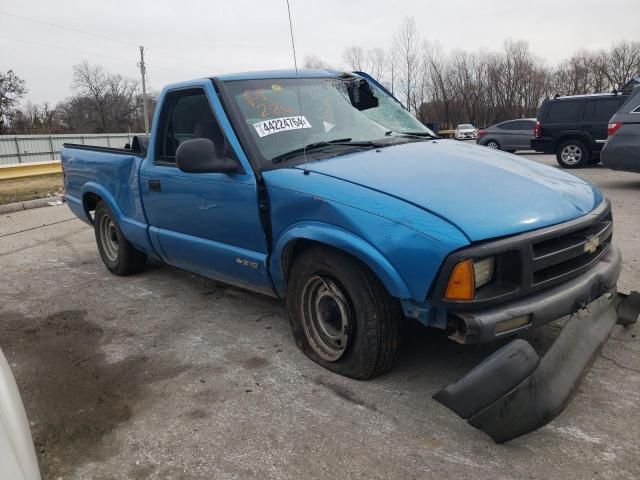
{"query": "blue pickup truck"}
(318, 187)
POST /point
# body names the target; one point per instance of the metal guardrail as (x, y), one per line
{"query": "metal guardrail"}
(31, 169)
(19, 149)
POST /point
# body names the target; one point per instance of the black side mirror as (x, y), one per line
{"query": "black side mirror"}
(198, 155)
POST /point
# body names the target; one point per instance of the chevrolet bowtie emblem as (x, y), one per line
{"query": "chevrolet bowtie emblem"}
(592, 244)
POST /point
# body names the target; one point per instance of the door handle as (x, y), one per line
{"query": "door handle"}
(154, 185)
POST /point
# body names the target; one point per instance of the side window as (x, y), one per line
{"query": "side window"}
(526, 125)
(601, 110)
(563, 111)
(636, 110)
(506, 126)
(186, 114)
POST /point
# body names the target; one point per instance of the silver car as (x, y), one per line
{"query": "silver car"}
(622, 150)
(465, 131)
(510, 136)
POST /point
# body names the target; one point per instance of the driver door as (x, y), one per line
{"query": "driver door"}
(207, 223)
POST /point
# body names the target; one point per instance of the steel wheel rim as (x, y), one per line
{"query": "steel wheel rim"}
(109, 238)
(492, 144)
(326, 318)
(571, 154)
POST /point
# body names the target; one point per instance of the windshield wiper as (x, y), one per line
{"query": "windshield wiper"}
(321, 145)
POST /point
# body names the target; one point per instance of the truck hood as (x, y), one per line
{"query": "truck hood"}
(483, 192)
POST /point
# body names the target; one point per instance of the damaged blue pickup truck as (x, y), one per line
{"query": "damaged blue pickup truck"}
(318, 187)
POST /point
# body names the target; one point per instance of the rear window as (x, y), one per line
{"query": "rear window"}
(601, 110)
(563, 111)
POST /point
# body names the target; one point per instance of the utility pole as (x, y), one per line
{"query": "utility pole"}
(143, 73)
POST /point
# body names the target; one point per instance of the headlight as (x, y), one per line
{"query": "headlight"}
(467, 276)
(483, 271)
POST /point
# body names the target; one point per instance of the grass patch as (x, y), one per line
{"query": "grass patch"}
(21, 189)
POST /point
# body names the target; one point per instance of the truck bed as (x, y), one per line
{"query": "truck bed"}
(112, 173)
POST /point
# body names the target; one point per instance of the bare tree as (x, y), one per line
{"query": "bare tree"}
(392, 68)
(31, 113)
(623, 63)
(12, 89)
(48, 116)
(355, 58)
(376, 64)
(315, 62)
(92, 82)
(407, 46)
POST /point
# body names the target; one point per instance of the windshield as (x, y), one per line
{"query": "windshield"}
(348, 111)
(465, 126)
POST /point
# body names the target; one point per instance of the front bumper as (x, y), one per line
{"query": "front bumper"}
(514, 391)
(479, 326)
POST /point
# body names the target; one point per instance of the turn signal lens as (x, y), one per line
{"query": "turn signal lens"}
(461, 284)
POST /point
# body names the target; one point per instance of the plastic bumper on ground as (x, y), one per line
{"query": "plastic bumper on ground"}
(514, 391)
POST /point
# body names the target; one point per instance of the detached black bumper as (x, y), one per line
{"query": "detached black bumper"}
(514, 391)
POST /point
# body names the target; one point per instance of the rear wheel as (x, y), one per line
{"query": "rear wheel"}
(342, 317)
(118, 255)
(493, 144)
(573, 154)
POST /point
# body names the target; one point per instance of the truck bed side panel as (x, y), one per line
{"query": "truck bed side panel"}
(114, 178)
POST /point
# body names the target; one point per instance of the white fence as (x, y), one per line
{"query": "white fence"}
(42, 148)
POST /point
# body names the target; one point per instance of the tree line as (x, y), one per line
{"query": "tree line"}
(445, 88)
(484, 87)
(102, 102)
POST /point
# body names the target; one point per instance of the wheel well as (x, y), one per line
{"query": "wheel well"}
(296, 247)
(580, 138)
(292, 250)
(90, 202)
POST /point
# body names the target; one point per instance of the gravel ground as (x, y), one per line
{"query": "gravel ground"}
(167, 375)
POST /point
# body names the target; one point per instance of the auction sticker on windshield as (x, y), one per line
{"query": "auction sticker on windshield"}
(276, 125)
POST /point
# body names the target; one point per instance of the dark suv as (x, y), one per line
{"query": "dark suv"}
(575, 128)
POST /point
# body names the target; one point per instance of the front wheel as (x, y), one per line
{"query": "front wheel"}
(573, 154)
(342, 317)
(118, 255)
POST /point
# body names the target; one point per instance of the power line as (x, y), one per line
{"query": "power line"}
(64, 48)
(101, 37)
(119, 59)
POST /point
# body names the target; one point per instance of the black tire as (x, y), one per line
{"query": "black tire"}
(118, 255)
(493, 144)
(573, 154)
(354, 298)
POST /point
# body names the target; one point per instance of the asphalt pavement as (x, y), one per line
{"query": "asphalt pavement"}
(167, 375)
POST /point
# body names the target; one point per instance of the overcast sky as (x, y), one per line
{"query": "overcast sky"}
(195, 38)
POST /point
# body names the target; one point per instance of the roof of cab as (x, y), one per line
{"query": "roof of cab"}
(269, 74)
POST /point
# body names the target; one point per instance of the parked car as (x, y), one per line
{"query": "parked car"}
(622, 149)
(357, 216)
(465, 131)
(17, 456)
(510, 136)
(575, 127)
